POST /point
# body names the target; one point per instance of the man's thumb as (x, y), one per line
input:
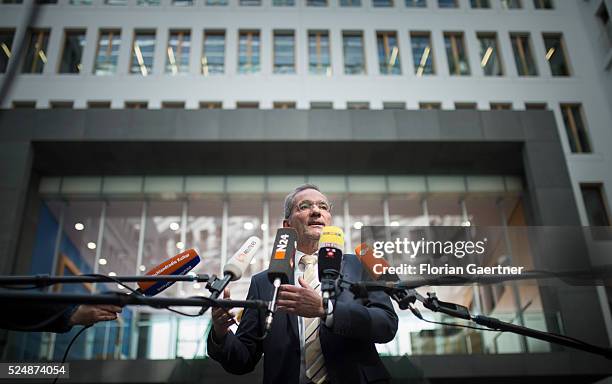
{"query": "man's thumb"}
(226, 293)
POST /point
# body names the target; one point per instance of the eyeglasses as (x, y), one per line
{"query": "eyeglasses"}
(308, 205)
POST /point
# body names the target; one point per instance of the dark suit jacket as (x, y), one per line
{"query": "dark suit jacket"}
(348, 347)
(37, 317)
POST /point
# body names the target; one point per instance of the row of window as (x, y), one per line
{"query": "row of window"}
(573, 117)
(284, 57)
(444, 4)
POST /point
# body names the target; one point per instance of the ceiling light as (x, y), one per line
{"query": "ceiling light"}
(394, 224)
(91, 245)
(174, 226)
(358, 225)
(79, 226)
(102, 261)
(248, 225)
(142, 268)
(180, 245)
(112, 274)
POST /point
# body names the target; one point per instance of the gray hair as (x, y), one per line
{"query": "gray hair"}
(290, 198)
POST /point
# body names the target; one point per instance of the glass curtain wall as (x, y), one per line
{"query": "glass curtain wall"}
(133, 224)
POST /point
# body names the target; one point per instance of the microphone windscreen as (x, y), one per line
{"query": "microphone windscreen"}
(365, 254)
(331, 246)
(332, 237)
(174, 266)
(242, 258)
(282, 264)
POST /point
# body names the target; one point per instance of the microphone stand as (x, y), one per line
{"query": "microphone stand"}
(406, 298)
(123, 299)
(45, 280)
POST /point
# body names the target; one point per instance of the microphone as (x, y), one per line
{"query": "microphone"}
(281, 268)
(405, 298)
(235, 267)
(331, 246)
(177, 265)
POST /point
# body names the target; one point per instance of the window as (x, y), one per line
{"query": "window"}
(350, 3)
(173, 105)
(555, 55)
(523, 57)
(511, 4)
(24, 104)
(455, 53)
(575, 128)
(136, 105)
(147, 2)
(44, 2)
(388, 53)
(115, 2)
(248, 52)
(177, 54)
(394, 105)
(357, 105)
(216, 2)
(12, 1)
(6, 44)
(74, 43)
(284, 105)
(543, 4)
(501, 106)
(595, 205)
(354, 59)
(319, 61)
(61, 104)
(99, 104)
(430, 105)
(213, 53)
(250, 3)
(321, 105)
(143, 49)
(284, 52)
(415, 3)
(448, 4)
(36, 58)
(283, 3)
(210, 105)
(247, 105)
(182, 3)
(465, 105)
(108, 52)
(316, 3)
(480, 4)
(422, 54)
(382, 3)
(489, 55)
(536, 106)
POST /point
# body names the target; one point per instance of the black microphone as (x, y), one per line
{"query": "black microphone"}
(281, 268)
(331, 246)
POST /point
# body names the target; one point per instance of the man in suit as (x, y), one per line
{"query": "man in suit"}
(304, 345)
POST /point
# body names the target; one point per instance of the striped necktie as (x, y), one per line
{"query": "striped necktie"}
(315, 362)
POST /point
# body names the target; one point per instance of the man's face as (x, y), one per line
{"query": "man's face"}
(308, 215)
